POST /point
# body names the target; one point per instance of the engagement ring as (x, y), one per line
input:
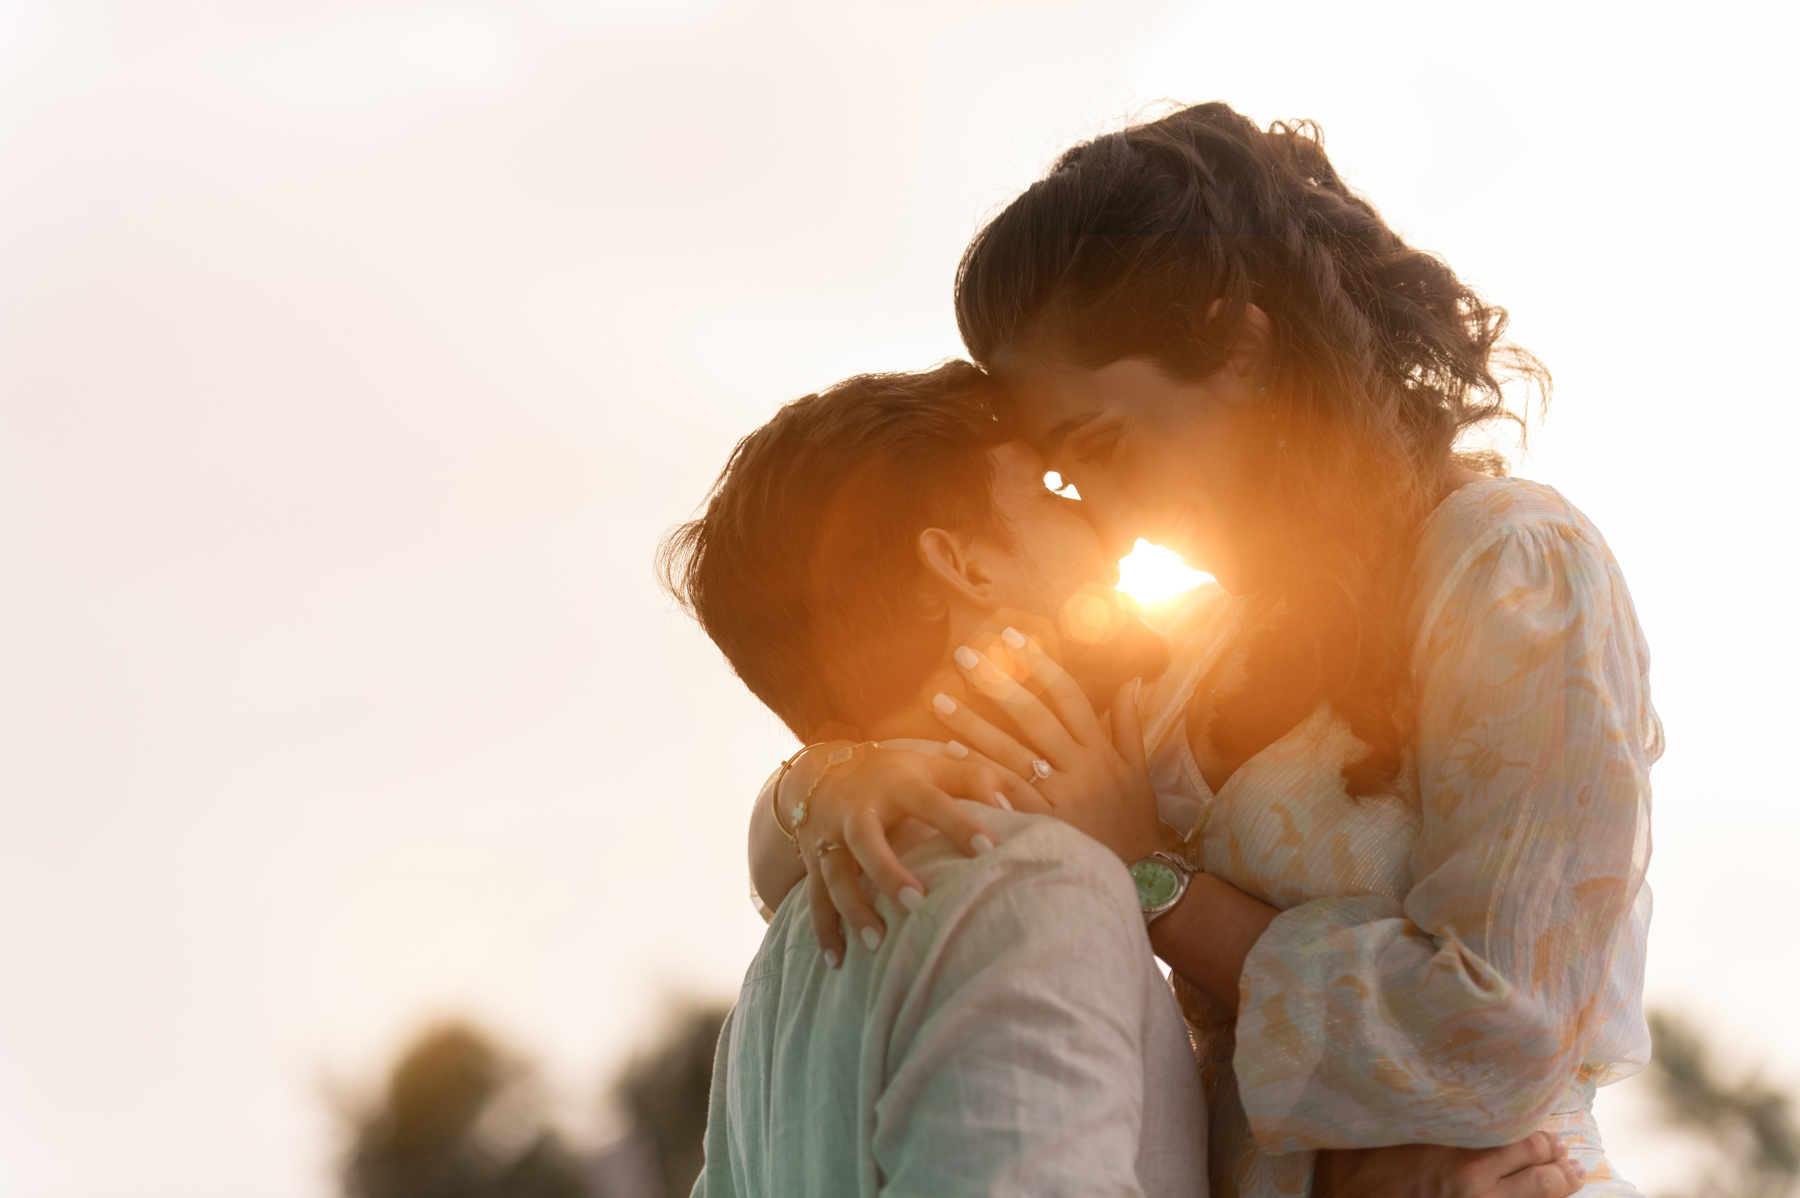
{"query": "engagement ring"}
(1040, 769)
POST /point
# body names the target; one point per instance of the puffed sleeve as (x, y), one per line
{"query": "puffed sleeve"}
(1461, 1015)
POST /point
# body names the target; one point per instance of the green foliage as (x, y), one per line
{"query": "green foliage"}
(667, 1090)
(1750, 1124)
(458, 1122)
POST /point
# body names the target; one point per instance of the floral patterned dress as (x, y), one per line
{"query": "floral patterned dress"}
(1460, 962)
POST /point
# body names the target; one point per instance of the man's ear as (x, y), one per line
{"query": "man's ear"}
(954, 569)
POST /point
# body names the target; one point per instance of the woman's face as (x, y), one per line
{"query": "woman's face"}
(1151, 457)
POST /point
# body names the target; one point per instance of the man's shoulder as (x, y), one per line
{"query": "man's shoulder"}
(1043, 880)
(1036, 851)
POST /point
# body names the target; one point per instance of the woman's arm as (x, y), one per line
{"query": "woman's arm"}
(775, 867)
(856, 804)
(1207, 936)
(1462, 1014)
(1538, 1166)
(1100, 782)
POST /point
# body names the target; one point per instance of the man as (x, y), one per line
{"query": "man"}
(1011, 1033)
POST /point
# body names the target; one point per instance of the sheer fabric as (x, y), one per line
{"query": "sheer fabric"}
(1460, 962)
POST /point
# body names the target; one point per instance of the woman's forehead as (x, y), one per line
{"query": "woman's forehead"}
(1017, 464)
(1049, 400)
(1040, 396)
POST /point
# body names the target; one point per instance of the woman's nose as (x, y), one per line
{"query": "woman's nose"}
(1119, 537)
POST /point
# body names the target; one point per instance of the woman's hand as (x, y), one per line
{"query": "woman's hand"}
(1097, 781)
(1101, 784)
(1538, 1166)
(853, 808)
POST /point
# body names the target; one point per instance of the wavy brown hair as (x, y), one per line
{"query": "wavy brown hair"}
(804, 567)
(1151, 243)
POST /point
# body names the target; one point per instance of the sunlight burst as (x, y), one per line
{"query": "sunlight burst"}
(1150, 572)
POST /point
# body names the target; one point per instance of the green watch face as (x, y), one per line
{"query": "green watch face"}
(1156, 881)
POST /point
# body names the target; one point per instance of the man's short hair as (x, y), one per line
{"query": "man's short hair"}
(804, 568)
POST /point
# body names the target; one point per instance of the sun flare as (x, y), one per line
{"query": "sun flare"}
(1150, 572)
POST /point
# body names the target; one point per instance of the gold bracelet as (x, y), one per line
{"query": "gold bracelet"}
(801, 810)
(838, 757)
(781, 774)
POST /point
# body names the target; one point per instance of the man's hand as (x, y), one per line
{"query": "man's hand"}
(1538, 1166)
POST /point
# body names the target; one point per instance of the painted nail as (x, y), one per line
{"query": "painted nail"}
(944, 703)
(910, 898)
(981, 843)
(831, 957)
(872, 938)
(1000, 798)
(1014, 638)
(955, 748)
(965, 657)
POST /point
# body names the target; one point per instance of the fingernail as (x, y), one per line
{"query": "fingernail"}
(981, 843)
(910, 898)
(944, 703)
(1013, 638)
(1575, 1169)
(872, 938)
(965, 657)
(831, 957)
(1000, 798)
(955, 748)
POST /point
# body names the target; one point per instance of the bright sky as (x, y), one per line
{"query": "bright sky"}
(354, 355)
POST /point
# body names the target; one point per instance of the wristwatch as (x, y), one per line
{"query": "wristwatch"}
(1162, 879)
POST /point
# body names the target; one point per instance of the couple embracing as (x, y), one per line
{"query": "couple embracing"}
(1378, 797)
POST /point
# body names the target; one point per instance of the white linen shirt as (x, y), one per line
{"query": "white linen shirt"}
(1011, 1036)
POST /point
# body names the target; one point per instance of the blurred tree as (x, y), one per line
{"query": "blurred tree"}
(1750, 1124)
(665, 1093)
(459, 1120)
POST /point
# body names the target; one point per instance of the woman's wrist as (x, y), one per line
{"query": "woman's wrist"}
(801, 775)
(1208, 935)
(774, 866)
(1161, 839)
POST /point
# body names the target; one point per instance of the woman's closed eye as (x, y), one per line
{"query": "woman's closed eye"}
(1093, 445)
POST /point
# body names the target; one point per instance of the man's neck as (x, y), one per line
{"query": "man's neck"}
(915, 721)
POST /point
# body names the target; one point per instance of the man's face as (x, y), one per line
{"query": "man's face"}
(1056, 582)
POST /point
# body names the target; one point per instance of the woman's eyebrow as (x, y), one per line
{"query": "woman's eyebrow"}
(1054, 438)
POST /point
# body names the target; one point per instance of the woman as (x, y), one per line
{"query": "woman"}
(1407, 739)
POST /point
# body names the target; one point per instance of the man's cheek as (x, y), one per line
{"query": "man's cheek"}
(1092, 615)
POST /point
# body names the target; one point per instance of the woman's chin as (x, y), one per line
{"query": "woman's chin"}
(1225, 569)
(1202, 557)
(1229, 582)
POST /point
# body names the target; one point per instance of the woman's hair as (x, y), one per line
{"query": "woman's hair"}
(804, 568)
(1151, 243)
